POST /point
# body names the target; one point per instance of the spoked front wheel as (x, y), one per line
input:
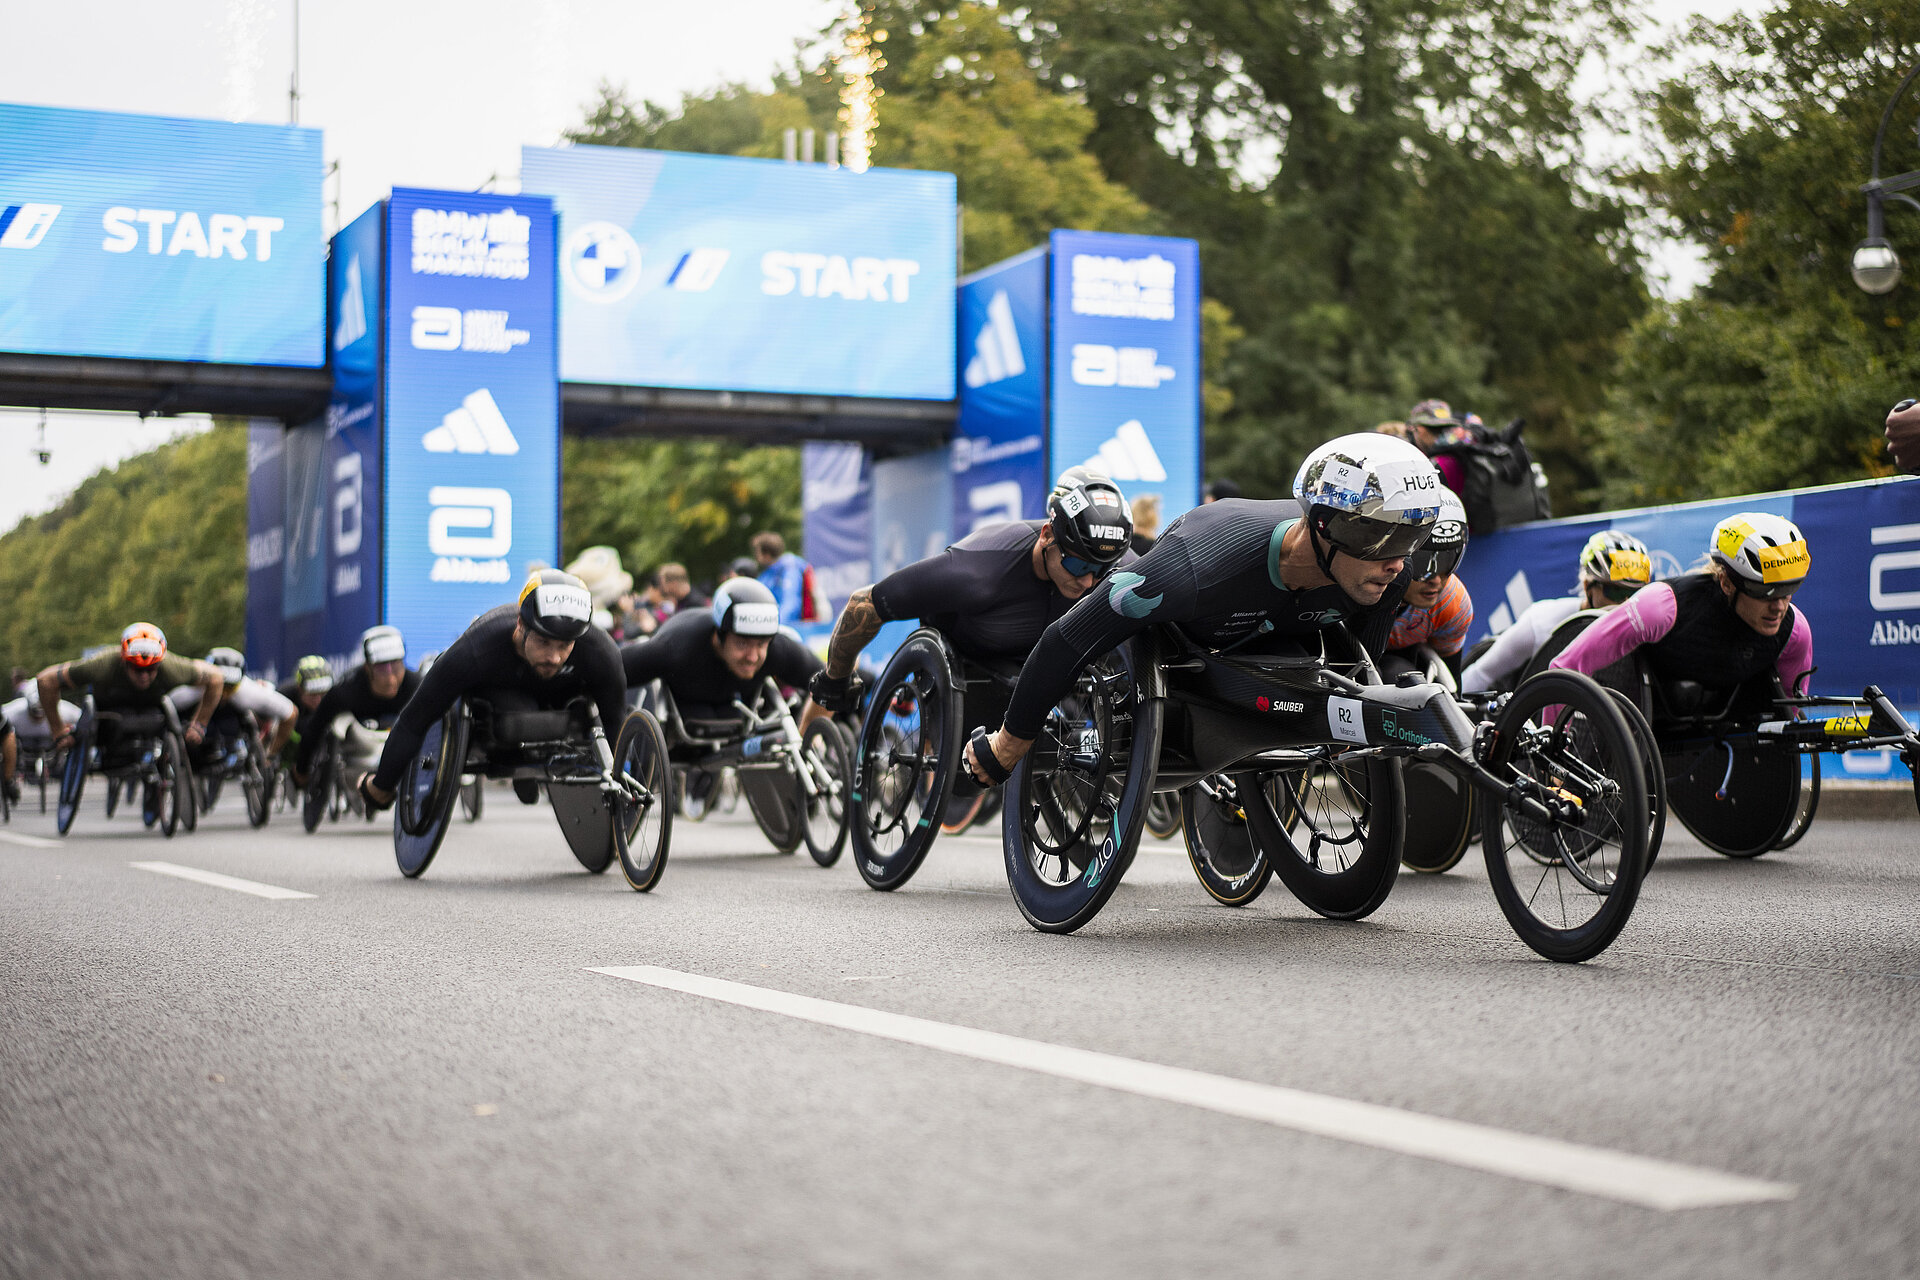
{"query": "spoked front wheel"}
(1337, 829)
(905, 764)
(643, 828)
(1568, 882)
(1077, 803)
(828, 763)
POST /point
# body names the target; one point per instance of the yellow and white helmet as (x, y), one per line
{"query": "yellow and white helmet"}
(1766, 554)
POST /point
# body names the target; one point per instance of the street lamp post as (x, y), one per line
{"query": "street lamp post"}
(1876, 267)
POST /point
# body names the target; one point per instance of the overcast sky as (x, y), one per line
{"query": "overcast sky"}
(409, 93)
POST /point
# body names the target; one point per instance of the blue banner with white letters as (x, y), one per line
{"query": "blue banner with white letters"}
(471, 475)
(751, 275)
(1861, 599)
(266, 544)
(999, 440)
(154, 238)
(1124, 372)
(350, 461)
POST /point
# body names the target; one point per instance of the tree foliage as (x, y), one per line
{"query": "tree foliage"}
(1778, 372)
(160, 538)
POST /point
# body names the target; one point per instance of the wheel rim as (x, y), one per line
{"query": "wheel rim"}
(1326, 812)
(1563, 874)
(643, 824)
(824, 756)
(1079, 767)
(902, 770)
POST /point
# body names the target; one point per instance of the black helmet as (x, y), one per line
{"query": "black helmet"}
(1091, 521)
(557, 605)
(743, 606)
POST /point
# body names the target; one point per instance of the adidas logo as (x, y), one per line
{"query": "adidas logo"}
(353, 309)
(475, 427)
(1519, 600)
(996, 351)
(1129, 455)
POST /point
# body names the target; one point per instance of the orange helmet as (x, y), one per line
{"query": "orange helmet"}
(142, 645)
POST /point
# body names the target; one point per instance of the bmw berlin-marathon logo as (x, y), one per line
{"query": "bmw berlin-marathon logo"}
(601, 262)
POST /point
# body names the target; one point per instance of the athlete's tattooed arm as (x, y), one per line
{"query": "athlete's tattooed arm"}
(859, 623)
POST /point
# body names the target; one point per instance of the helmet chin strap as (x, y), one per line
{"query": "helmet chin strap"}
(1315, 536)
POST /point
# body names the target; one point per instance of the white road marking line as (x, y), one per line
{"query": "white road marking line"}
(31, 842)
(219, 881)
(1614, 1175)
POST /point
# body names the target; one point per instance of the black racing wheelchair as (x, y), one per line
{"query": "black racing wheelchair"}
(1291, 764)
(907, 759)
(141, 751)
(233, 751)
(795, 783)
(1729, 759)
(610, 801)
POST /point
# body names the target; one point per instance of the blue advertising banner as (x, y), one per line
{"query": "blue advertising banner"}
(1862, 599)
(350, 462)
(1124, 373)
(266, 544)
(999, 440)
(751, 275)
(471, 475)
(153, 238)
(836, 501)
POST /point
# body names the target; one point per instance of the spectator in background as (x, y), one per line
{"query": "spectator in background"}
(1146, 522)
(1218, 490)
(790, 579)
(1398, 430)
(676, 592)
(1433, 424)
(1903, 436)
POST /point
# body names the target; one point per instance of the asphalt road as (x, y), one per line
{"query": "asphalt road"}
(424, 1078)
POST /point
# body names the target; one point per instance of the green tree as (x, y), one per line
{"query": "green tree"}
(160, 538)
(1779, 371)
(1384, 195)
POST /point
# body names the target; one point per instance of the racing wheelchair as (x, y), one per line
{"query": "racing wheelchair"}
(609, 801)
(907, 758)
(795, 783)
(232, 751)
(348, 749)
(1730, 759)
(1291, 764)
(142, 750)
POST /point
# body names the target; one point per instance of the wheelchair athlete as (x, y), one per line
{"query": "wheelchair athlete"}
(233, 747)
(1613, 566)
(127, 684)
(708, 658)
(537, 655)
(990, 596)
(373, 694)
(28, 746)
(1242, 575)
(312, 680)
(237, 694)
(1437, 612)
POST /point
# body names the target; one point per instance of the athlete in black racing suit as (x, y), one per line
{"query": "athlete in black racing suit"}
(1241, 574)
(512, 658)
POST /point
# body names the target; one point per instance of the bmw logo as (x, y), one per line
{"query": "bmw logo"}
(601, 261)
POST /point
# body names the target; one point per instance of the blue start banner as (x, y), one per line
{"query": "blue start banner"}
(1861, 599)
(1125, 364)
(751, 275)
(152, 238)
(999, 440)
(471, 481)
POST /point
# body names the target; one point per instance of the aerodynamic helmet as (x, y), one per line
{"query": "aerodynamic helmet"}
(1766, 554)
(1091, 520)
(556, 604)
(142, 645)
(1616, 556)
(382, 644)
(1372, 496)
(745, 607)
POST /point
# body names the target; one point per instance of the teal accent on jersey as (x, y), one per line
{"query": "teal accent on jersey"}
(1273, 552)
(1125, 603)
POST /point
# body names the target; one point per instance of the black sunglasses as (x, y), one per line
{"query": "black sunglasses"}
(1434, 562)
(1078, 568)
(1766, 590)
(1619, 592)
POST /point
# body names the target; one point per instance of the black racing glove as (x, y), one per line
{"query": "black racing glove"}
(838, 696)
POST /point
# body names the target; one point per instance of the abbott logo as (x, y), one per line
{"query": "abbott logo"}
(1129, 455)
(469, 532)
(477, 426)
(1887, 562)
(996, 351)
(1097, 365)
(22, 226)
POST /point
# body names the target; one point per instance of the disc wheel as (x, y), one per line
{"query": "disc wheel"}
(1567, 737)
(257, 784)
(642, 831)
(1231, 866)
(828, 762)
(1653, 774)
(1077, 804)
(318, 797)
(905, 764)
(1164, 820)
(1337, 831)
(424, 807)
(1440, 818)
(1738, 798)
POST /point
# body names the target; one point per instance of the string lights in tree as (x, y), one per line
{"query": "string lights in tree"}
(859, 62)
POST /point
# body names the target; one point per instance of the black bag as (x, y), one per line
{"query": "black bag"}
(1503, 485)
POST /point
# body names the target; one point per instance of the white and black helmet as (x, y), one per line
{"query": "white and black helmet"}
(1373, 496)
(1766, 554)
(1092, 522)
(745, 607)
(229, 662)
(1446, 546)
(382, 644)
(555, 604)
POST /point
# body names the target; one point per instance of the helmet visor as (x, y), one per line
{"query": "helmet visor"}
(1431, 561)
(1766, 590)
(1365, 538)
